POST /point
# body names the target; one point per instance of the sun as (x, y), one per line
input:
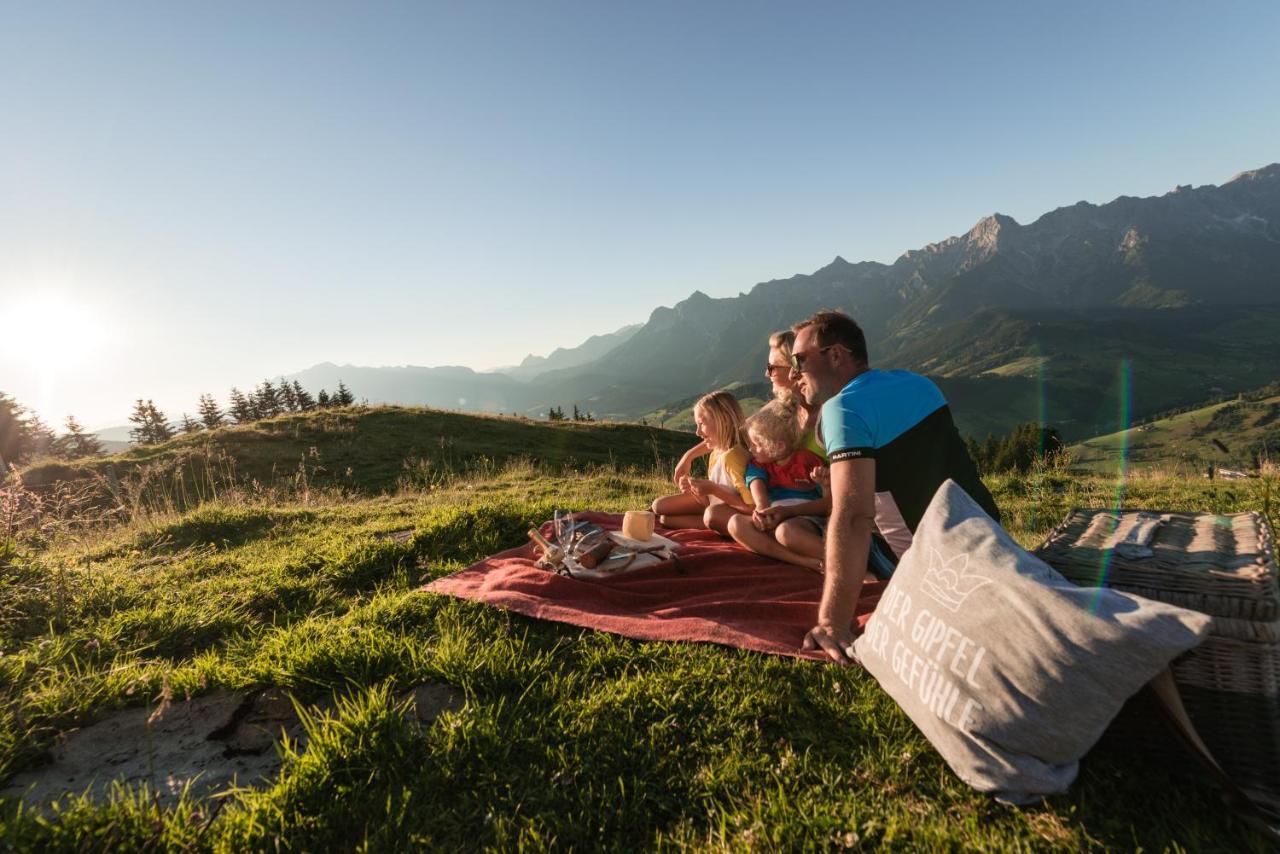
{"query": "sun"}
(51, 332)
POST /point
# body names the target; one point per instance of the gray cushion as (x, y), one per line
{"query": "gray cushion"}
(1010, 670)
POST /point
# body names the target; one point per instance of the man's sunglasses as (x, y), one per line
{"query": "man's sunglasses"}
(798, 359)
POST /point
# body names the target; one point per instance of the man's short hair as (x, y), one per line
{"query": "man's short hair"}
(835, 327)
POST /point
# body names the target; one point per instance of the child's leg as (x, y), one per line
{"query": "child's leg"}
(679, 511)
(763, 543)
(717, 516)
(802, 537)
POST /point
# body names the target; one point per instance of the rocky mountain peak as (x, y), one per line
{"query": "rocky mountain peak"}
(1266, 172)
(988, 229)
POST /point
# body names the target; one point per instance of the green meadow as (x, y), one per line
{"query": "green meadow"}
(1243, 429)
(243, 559)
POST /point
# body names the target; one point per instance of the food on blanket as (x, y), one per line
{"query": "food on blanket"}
(638, 525)
(594, 554)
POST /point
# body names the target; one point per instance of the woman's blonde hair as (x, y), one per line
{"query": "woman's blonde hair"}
(776, 428)
(783, 341)
(726, 418)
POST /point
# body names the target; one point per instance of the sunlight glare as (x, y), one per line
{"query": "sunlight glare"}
(51, 333)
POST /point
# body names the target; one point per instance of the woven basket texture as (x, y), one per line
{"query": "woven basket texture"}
(1224, 566)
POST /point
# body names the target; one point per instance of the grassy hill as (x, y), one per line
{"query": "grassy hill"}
(568, 738)
(1188, 440)
(365, 450)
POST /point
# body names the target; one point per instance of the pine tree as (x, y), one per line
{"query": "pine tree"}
(210, 414)
(23, 436)
(343, 396)
(141, 434)
(266, 401)
(306, 402)
(76, 443)
(241, 407)
(577, 416)
(190, 425)
(288, 399)
(10, 433)
(161, 431)
(322, 399)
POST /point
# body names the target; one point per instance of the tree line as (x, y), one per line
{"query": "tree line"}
(1017, 452)
(267, 400)
(556, 413)
(24, 436)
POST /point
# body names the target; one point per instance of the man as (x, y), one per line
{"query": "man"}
(891, 443)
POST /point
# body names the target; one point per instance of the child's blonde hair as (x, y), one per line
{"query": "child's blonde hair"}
(726, 418)
(776, 428)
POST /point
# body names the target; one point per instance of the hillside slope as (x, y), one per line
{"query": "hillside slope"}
(1232, 434)
(377, 449)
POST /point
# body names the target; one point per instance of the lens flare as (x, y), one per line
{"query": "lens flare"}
(1122, 469)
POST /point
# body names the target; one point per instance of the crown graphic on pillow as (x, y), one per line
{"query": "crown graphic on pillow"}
(949, 581)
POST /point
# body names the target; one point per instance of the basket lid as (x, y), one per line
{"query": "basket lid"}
(1223, 565)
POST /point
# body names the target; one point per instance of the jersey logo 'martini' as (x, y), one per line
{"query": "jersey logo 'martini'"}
(949, 581)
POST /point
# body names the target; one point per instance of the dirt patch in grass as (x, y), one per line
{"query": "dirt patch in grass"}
(210, 744)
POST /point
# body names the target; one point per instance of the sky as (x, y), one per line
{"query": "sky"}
(196, 196)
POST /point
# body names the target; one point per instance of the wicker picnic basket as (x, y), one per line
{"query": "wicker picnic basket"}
(1224, 566)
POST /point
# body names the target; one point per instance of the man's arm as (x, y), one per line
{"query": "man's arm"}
(848, 546)
(774, 516)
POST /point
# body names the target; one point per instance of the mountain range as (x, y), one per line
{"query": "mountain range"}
(1089, 315)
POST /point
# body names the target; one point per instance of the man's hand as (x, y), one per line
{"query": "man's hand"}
(836, 643)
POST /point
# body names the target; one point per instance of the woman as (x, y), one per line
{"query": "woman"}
(798, 527)
(778, 371)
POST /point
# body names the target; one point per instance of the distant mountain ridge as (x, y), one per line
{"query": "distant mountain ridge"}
(1180, 293)
(570, 357)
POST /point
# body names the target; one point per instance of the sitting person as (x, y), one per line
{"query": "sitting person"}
(712, 501)
(790, 507)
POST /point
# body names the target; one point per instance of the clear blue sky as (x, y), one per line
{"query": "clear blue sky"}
(220, 192)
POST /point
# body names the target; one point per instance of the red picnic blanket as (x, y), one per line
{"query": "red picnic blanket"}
(713, 591)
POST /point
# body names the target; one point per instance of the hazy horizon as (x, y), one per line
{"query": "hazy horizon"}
(201, 198)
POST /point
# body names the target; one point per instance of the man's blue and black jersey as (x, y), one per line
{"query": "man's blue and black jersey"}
(902, 421)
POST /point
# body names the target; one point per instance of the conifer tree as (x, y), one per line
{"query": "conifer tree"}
(343, 396)
(266, 401)
(241, 407)
(76, 443)
(190, 425)
(306, 402)
(161, 431)
(141, 433)
(210, 414)
(23, 436)
(322, 399)
(288, 399)
(577, 416)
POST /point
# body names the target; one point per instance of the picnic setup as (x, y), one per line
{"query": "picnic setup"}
(1165, 626)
